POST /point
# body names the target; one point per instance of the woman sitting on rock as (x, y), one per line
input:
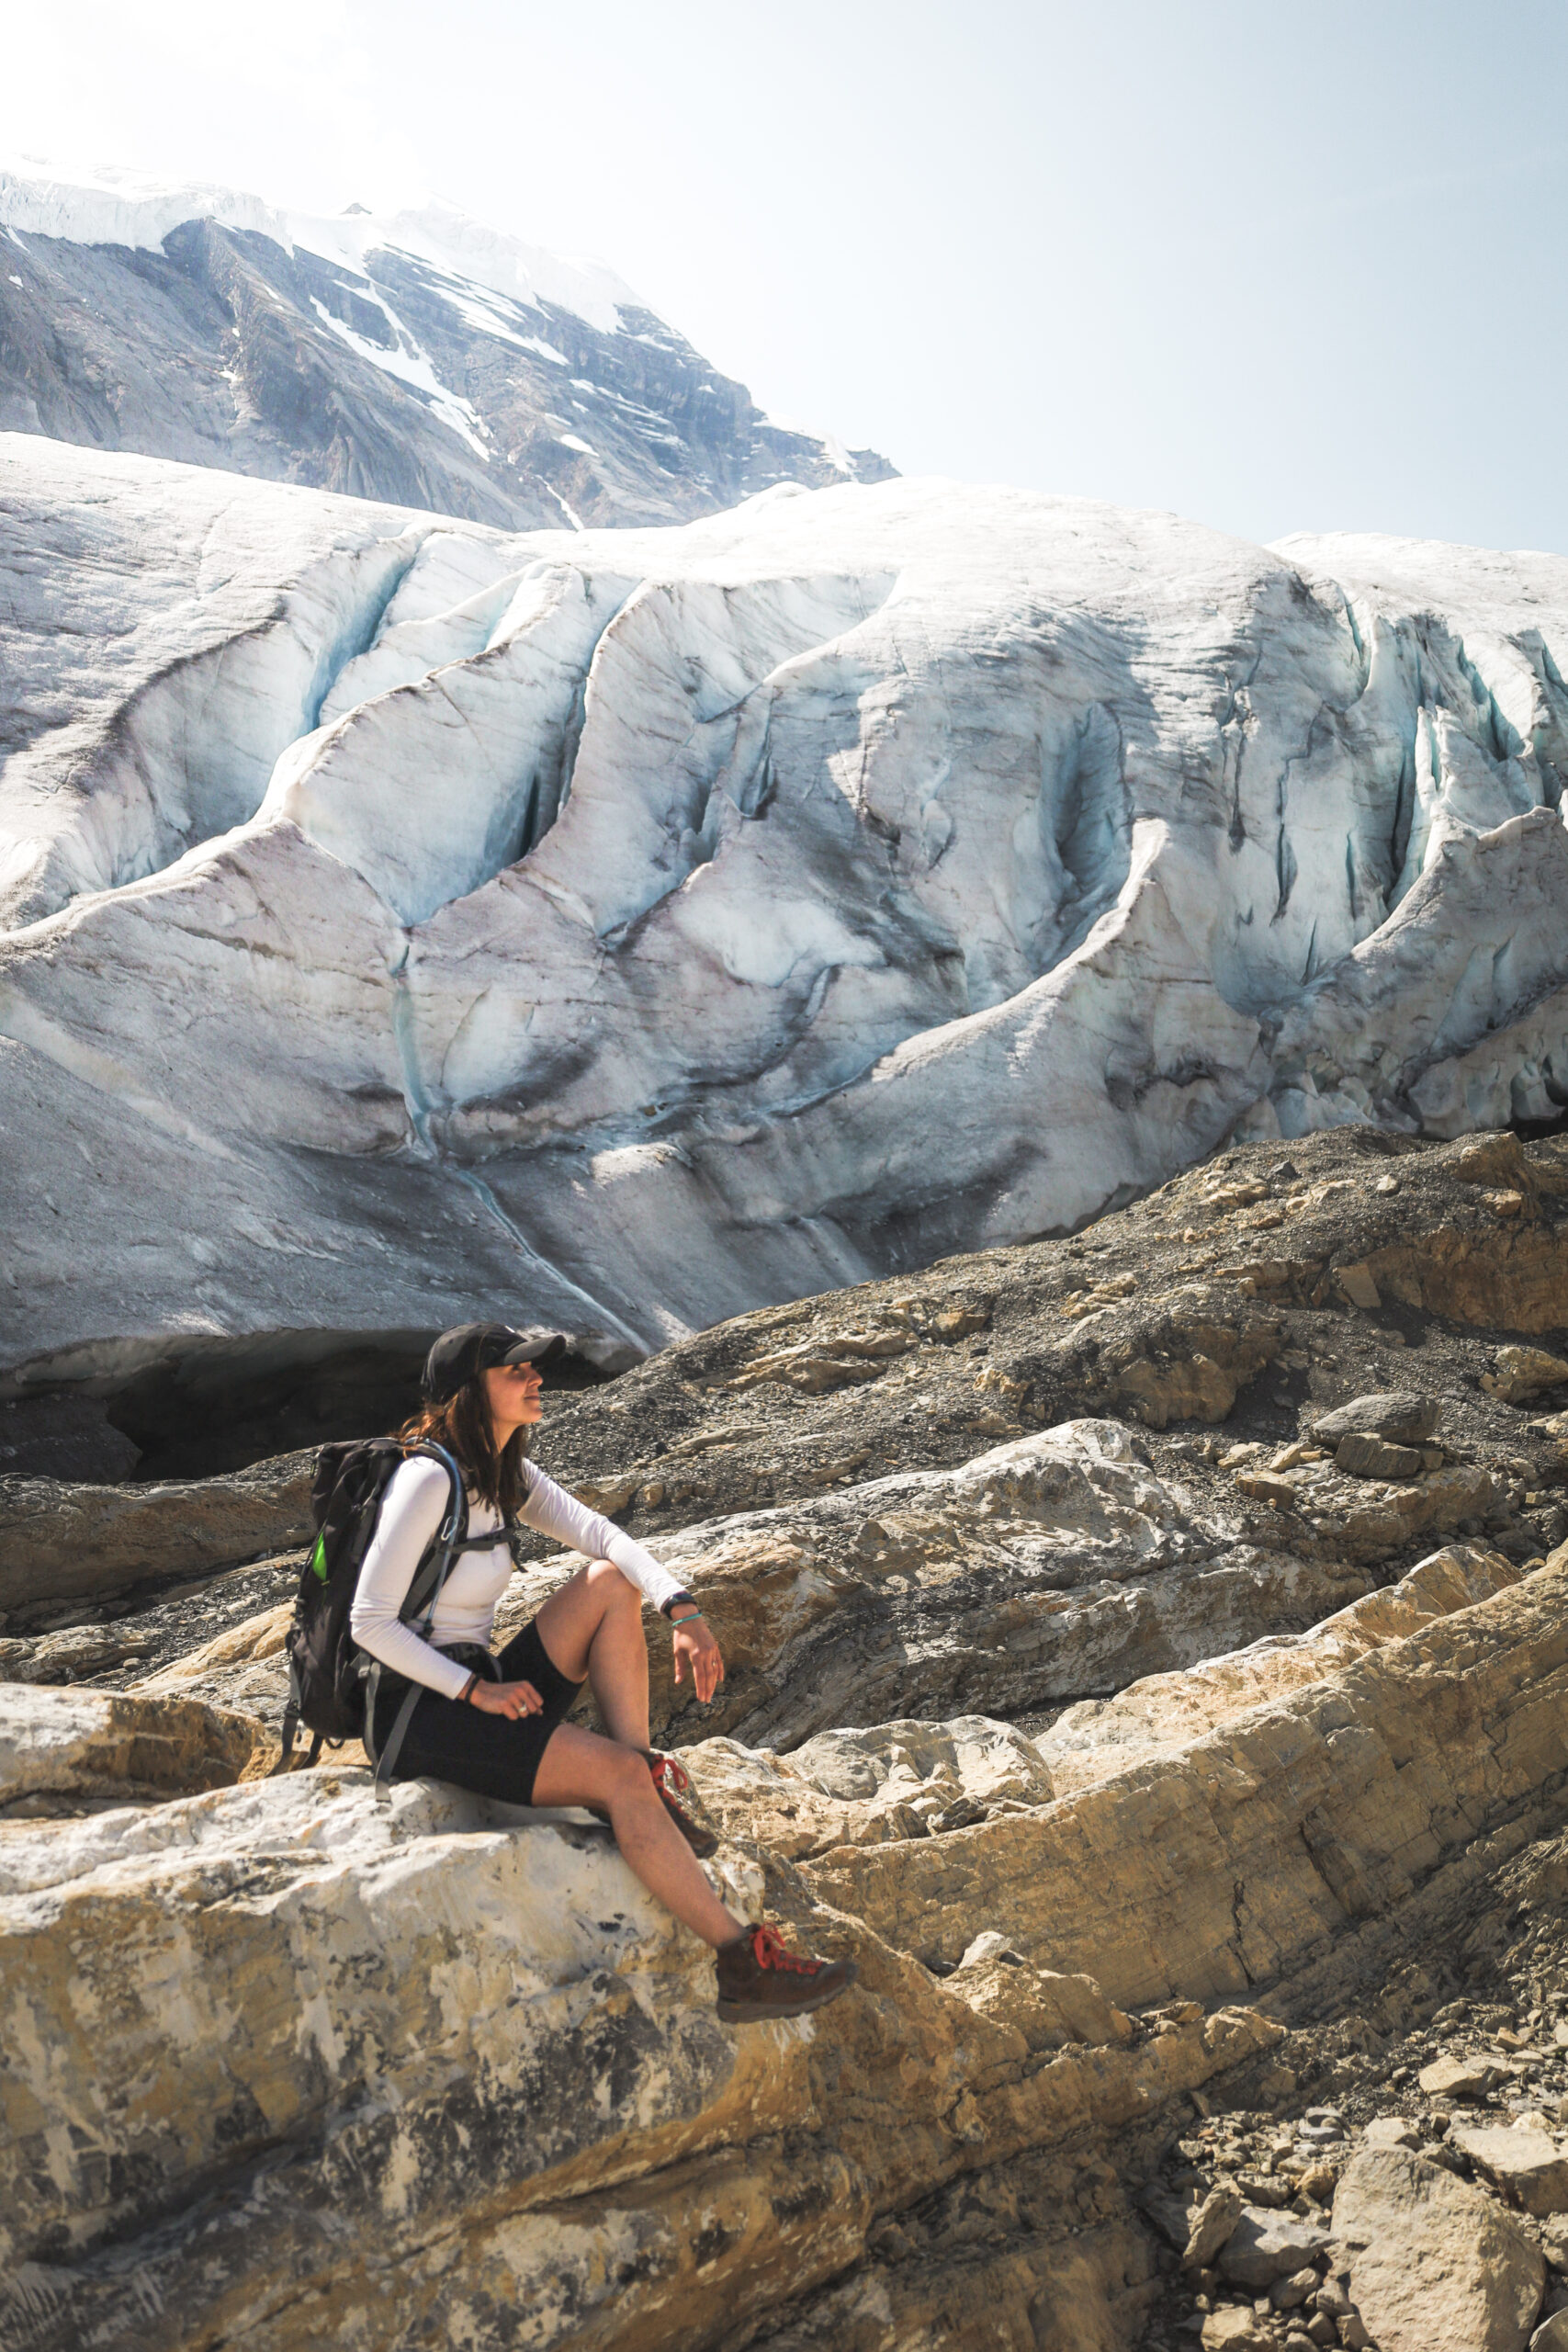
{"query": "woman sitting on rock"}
(494, 1723)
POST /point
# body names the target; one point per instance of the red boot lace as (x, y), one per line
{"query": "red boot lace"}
(667, 1773)
(769, 1950)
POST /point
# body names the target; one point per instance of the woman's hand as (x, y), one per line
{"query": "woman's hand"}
(510, 1699)
(695, 1645)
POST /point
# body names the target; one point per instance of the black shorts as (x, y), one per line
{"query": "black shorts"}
(447, 1739)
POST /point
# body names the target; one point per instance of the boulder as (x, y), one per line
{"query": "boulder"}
(1399, 1416)
(1196, 2225)
(1374, 1457)
(1452, 2077)
(1431, 2260)
(1210, 2225)
(1267, 2245)
(1233, 2328)
(1519, 1373)
(1528, 2165)
(1391, 2131)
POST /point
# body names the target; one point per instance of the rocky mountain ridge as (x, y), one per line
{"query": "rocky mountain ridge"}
(419, 359)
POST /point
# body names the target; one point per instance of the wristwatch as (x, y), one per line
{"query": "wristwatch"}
(676, 1601)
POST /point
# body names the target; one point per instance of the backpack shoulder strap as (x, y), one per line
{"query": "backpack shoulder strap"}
(423, 1592)
(431, 1573)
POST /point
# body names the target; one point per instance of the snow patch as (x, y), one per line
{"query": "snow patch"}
(410, 365)
(105, 205)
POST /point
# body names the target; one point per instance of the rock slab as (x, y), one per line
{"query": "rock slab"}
(61, 1542)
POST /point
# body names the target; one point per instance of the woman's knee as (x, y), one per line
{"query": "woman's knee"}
(608, 1585)
(626, 1771)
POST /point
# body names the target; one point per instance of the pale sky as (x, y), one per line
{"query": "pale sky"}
(1292, 265)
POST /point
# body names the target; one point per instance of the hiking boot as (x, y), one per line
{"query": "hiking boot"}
(758, 1978)
(674, 1785)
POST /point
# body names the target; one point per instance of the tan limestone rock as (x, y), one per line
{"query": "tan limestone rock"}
(307, 1964)
(868, 1787)
(1358, 1284)
(1513, 1277)
(1524, 2163)
(68, 1752)
(1462, 2078)
(1372, 1457)
(911, 1779)
(1167, 1710)
(1431, 2260)
(1391, 2131)
(1269, 1833)
(1060, 1558)
(244, 1667)
(1210, 2225)
(1520, 1374)
(1048, 2009)
(71, 1653)
(1233, 2328)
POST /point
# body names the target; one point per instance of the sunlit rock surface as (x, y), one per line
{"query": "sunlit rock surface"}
(412, 921)
(294, 2062)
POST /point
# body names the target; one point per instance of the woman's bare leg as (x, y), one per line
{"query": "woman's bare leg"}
(579, 1767)
(592, 1626)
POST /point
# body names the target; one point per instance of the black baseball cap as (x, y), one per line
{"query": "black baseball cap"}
(473, 1348)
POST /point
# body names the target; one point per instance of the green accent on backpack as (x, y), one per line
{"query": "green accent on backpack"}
(319, 1559)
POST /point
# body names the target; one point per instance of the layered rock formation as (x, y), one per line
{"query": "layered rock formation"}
(1229, 2000)
(418, 357)
(630, 928)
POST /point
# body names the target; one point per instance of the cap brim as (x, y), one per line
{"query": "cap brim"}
(538, 1353)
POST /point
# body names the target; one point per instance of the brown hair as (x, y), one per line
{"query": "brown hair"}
(462, 1424)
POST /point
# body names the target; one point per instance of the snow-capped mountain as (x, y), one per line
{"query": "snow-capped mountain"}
(418, 357)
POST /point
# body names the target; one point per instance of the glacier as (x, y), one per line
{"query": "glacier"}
(408, 920)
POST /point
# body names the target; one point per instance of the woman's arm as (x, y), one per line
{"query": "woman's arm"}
(550, 1511)
(411, 1511)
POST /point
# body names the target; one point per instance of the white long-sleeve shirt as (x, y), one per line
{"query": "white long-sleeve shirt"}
(412, 1509)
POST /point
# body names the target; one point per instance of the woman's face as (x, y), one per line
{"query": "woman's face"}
(511, 1392)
